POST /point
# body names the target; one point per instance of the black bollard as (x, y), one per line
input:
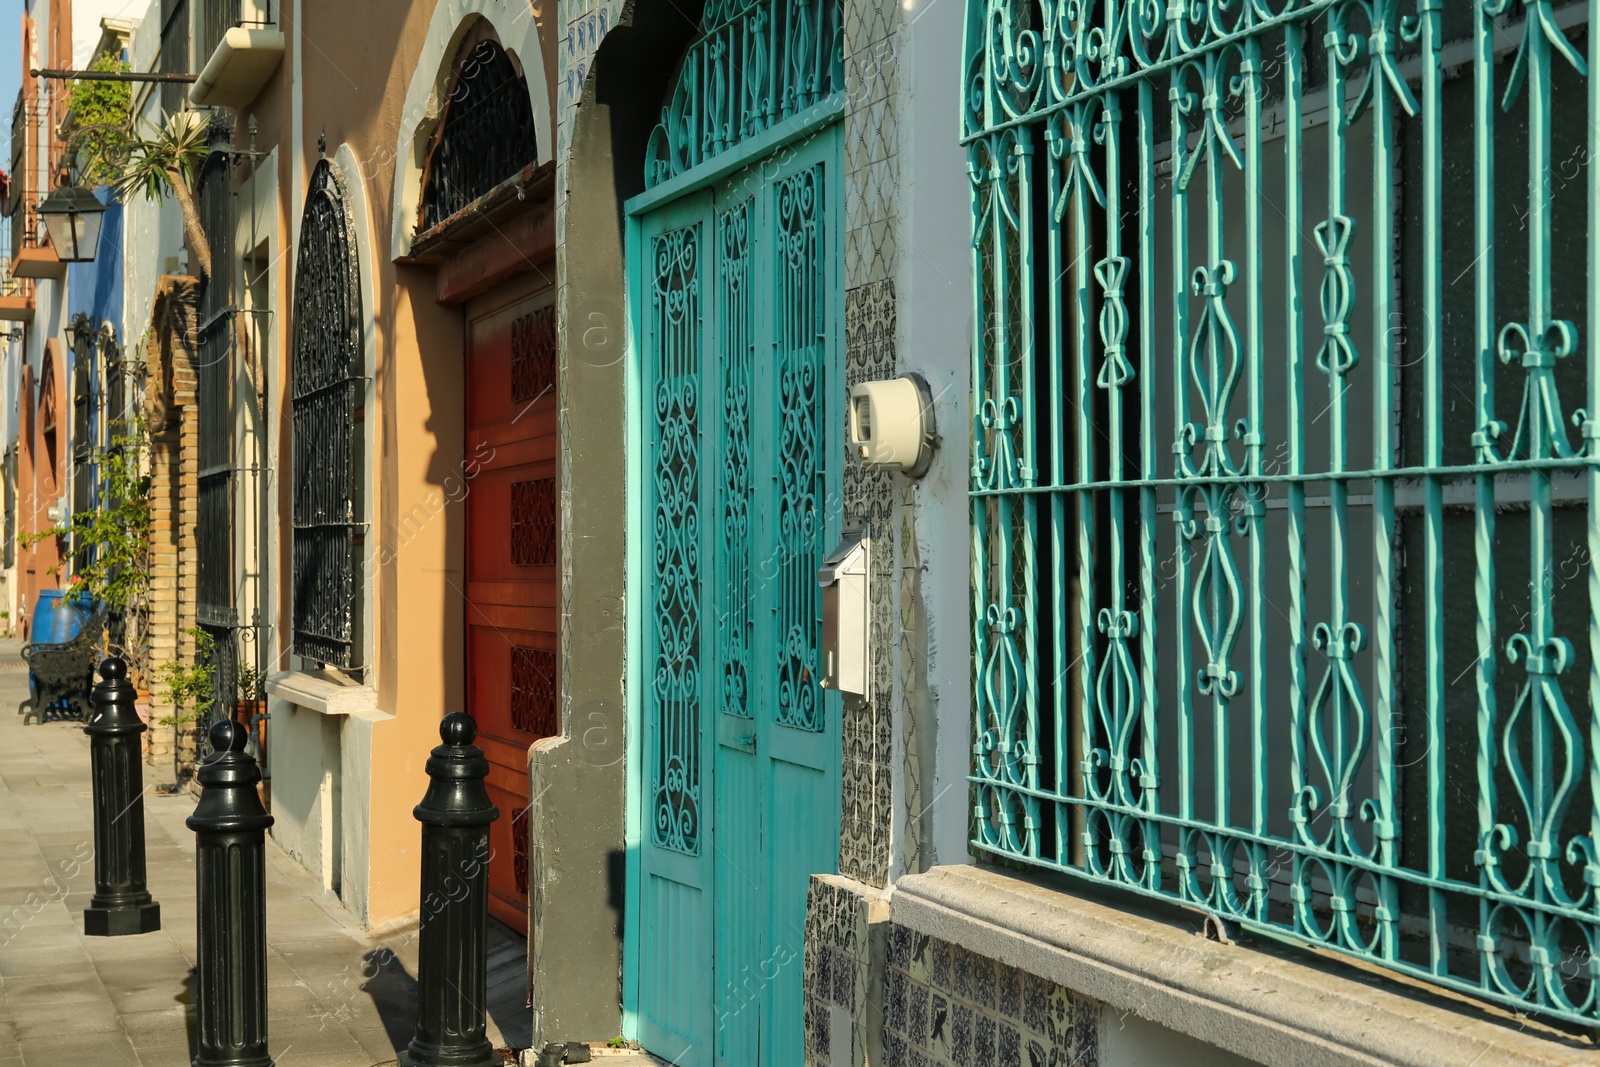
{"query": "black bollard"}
(121, 903)
(230, 826)
(453, 951)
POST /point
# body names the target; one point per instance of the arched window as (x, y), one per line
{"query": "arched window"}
(326, 395)
(485, 136)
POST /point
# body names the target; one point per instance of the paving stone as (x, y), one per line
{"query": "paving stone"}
(338, 996)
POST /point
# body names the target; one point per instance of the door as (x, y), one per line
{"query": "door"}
(740, 296)
(509, 486)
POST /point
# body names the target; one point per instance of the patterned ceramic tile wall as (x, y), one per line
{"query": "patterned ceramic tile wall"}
(844, 966)
(866, 782)
(947, 1007)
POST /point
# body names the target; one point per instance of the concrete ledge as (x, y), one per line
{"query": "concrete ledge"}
(324, 693)
(1271, 1005)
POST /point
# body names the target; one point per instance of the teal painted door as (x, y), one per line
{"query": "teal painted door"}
(741, 343)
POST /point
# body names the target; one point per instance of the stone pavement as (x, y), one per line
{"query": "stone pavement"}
(338, 995)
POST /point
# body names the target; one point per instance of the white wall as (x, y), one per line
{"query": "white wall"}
(152, 231)
(933, 287)
(86, 16)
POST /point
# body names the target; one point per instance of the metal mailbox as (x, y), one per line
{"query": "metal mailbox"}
(846, 630)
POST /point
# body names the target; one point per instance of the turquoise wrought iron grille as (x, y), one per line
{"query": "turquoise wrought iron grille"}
(757, 64)
(675, 528)
(1286, 559)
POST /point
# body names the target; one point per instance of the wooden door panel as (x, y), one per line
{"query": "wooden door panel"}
(511, 591)
(512, 522)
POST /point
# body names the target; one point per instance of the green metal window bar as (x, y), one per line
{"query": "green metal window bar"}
(1286, 559)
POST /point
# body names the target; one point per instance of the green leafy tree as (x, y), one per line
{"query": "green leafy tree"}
(99, 124)
(111, 545)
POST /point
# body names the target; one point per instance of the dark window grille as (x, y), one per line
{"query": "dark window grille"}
(174, 58)
(217, 17)
(118, 417)
(214, 394)
(326, 395)
(485, 137)
(84, 355)
(11, 507)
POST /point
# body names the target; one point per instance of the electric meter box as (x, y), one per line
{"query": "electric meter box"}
(846, 629)
(892, 426)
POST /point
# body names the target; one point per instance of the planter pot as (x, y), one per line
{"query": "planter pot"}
(244, 712)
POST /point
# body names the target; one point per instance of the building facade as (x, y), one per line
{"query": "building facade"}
(544, 367)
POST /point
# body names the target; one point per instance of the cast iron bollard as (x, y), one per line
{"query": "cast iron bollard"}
(453, 953)
(230, 986)
(121, 903)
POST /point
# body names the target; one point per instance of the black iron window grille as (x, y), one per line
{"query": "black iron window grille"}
(11, 507)
(485, 137)
(174, 54)
(214, 396)
(84, 426)
(326, 393)
(217, 17)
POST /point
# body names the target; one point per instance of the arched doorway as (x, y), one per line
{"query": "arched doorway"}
(735, 273)
(482, 217)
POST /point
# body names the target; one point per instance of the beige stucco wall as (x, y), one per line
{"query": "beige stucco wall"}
(352, 90)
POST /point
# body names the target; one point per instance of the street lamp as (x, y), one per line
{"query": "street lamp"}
(72, 214)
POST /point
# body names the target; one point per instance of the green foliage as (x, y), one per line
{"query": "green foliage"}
(173, 150)
(251, 682)
(100, 124)
(189, 688)
(112, 542)
(116, 567)
(617, 1042)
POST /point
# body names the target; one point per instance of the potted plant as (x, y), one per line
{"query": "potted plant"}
(190, 689)
(251, 702)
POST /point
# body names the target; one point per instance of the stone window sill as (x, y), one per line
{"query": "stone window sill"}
(325, 693)
(1266, 1002)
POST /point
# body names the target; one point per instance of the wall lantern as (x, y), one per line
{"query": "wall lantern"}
(73, 215)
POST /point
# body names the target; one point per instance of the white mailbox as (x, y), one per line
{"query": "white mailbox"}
(891, 424)
(846, 631)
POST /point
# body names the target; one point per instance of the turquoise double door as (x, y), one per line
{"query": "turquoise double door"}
(739, 297)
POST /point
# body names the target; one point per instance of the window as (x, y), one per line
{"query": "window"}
(485, 136)
(85, 396)
(327, 391)
(174, 56)
(1284, 505)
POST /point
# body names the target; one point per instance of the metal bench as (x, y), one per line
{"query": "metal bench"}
(60, 674)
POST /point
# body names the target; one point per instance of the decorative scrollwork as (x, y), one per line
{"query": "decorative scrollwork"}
(675, 301)
(1214, 366)
(758, 63)
(802, 366)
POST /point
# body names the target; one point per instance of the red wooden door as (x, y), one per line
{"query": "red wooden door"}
(511, 566)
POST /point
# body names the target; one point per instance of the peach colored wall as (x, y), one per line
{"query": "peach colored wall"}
(353, 84)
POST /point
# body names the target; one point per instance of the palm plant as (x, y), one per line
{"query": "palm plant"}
(166, 162)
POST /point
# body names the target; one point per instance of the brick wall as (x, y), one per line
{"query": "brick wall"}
(172, 419)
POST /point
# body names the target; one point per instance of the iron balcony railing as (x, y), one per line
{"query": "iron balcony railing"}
(215, 18)
(1286, 470)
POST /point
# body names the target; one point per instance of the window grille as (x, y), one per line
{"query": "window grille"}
(10, 553)
(174, 54)
(84, 426)
(327, 390)
(214, 372)
(486, 135)
(1286, 554)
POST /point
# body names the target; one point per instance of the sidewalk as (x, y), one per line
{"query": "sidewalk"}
(338, 997)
